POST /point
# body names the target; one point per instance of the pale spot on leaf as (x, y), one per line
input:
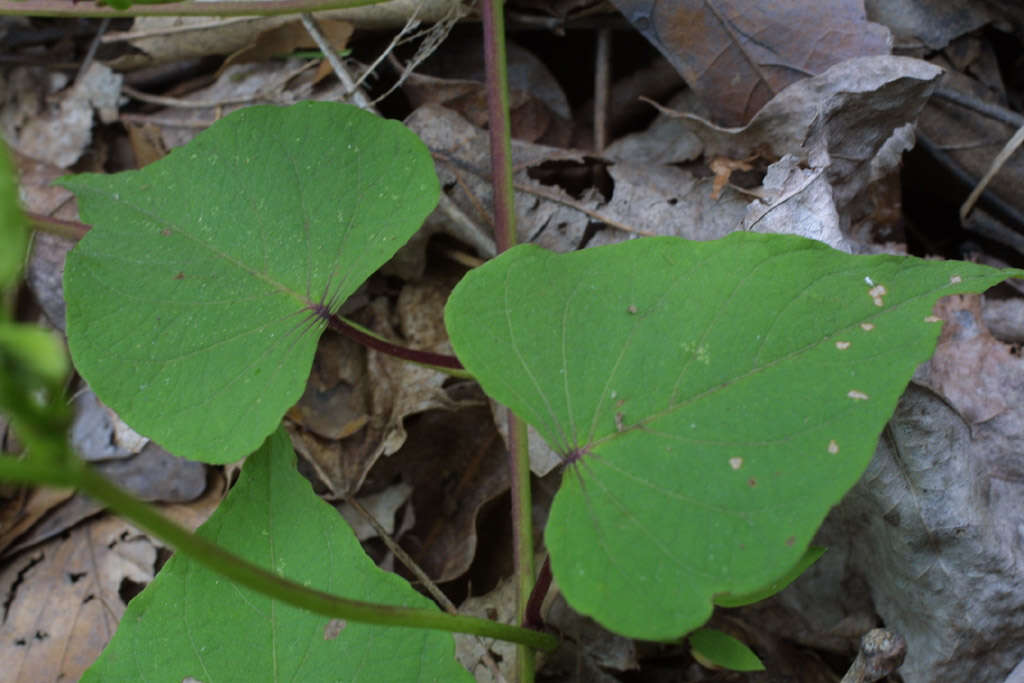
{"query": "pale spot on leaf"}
(867, 327)
(333, 628)
(876, 293)
(842, 345)
(955, 280)
(735, 463)
(857, 395)
(933, 319)
(833, 447)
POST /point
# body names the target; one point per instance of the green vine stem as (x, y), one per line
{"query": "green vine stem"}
(495, 65)
(74, 473)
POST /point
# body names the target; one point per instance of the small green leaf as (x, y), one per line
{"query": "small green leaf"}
(188, 300)
(812, 555)
(33, 349)
(714, 399)
(723, 651)
(191, 622)
(13, 235)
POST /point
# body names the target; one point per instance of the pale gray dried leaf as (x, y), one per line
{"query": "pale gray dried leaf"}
(665, 200)
(840, 119)
(1004, 318)
(933, 22)
(797, 201)
(668, 140)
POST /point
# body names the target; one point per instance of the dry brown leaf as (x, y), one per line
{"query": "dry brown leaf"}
(456, 464)
(19, 514)
(64, 602)
(738, 55)
(146, 141)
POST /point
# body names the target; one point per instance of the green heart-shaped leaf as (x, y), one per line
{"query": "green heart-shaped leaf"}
(714, 400)
(192, 622)
(188, 302)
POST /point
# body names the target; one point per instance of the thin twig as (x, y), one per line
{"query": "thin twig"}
(463, 228)
(351, 91)
(91, 52)
(602, 88)
(989, 109)
(179, 103)
(164, 121)
(1004, 154)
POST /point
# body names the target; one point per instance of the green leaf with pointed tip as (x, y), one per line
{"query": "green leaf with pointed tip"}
(191, 622)
(722, 650)
(187, 301)
(13, 236)
(715, 399)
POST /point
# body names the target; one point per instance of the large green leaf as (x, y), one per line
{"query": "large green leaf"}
(187, 301)
(191, 622)
(715, 400)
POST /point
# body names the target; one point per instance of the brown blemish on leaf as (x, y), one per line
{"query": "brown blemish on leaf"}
(333, 628)
(752, 482)
(867, 327)
(631, 309)
(179, 276)
(857, 395)
(876, 293)
(790, 541)
(833, 447)
(735, 463)
(165, 232)
(842, 345)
